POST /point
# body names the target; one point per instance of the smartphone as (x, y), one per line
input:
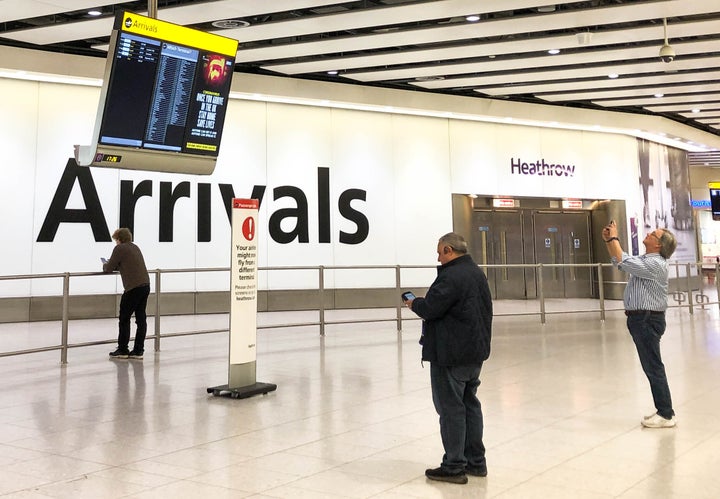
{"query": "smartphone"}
(407, 296)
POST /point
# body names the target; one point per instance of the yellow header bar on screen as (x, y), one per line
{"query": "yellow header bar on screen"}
(714, 185)
(161, 30)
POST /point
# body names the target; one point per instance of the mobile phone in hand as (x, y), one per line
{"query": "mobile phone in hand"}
(407, 296)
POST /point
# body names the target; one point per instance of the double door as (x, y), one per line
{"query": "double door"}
(508, 237)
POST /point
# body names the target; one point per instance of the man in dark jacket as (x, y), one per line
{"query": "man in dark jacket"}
(457, 313)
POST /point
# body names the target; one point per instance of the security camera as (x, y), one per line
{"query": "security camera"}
(667, 54)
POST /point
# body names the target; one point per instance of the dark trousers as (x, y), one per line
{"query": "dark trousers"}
(646, 330)
(132, 302)
(454, 392)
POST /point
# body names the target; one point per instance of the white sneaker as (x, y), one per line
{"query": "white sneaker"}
(657, 421)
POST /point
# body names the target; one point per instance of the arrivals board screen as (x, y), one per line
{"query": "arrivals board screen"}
(168, 87)
(715, 199)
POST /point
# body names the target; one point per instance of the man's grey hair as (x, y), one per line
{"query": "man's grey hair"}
(455, 241)
(668, 243)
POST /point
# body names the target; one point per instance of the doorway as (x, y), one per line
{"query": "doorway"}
(530, 236)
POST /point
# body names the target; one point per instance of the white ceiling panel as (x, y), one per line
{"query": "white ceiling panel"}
(658, 103)
(502, 27)
(477, 50)
(430, 46)
(24, 9)
(191, 13)
(540, 87)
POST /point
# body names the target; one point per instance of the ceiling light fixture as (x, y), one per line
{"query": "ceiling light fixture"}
(659, 95)
(612, 76)
(667, 54)
(696, 110)
(554, 51)
(94, 13)
(473, 18)
(546, 8)
(230, 24)
(332, 72)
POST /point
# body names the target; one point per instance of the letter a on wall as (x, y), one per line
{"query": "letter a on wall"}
(243, 304)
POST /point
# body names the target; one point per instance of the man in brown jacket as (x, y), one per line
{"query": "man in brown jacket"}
(128, 260)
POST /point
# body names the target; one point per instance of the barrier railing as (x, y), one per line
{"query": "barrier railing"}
(690, 297)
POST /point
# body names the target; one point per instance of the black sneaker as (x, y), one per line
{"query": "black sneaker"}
(476, 470)
(135, 355)
(441, 475)
(119, 354)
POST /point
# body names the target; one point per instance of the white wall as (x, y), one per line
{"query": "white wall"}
(407, 165)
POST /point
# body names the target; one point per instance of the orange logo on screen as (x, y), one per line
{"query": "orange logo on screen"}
(216, 70)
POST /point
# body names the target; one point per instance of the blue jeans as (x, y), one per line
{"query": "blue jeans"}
(461, 421)
(646, 331)
(133, 301)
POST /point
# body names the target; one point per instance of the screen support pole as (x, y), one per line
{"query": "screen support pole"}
(152, 9)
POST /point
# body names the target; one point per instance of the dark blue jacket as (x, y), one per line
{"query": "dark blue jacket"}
(457, 310)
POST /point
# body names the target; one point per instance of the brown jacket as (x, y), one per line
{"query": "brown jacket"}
(128, 259)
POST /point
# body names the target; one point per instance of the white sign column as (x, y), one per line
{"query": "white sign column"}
(243, 304)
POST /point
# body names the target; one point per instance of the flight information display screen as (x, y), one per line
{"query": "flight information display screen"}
(715, 199)
(168, 87)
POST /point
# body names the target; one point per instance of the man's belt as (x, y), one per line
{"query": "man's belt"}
(642, 312)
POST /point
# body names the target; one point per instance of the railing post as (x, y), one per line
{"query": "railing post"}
(65, 318)
(157, 310)
(398, 308)
(689, 288)
(541, 293)
(601, 292)
(321, 296)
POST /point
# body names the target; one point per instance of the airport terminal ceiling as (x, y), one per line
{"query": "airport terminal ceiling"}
(650, 57)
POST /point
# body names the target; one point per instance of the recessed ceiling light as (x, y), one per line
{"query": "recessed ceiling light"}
(230, 23)
(659, 95)
(94, 13)
(546, 8)
(332, 72)
(613, 75)
(553, 51)
(696, 110)
(474, 18)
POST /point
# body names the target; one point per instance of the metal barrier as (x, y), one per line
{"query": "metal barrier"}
(681, 299)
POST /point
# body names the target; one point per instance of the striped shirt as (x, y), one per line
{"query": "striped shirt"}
(647, 286)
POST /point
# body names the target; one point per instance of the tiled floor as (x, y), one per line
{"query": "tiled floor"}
(352, 415)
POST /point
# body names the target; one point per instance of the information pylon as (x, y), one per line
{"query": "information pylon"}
(242, 361)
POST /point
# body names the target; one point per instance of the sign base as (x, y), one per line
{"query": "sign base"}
(242, 392)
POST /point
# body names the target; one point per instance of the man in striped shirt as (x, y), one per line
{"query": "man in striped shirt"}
(645, 301)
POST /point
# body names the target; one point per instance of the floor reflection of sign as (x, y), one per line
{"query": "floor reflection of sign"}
(576, 243)
(484, 228)
(547, 242)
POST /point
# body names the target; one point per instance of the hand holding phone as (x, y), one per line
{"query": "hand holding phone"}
(407, 296)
